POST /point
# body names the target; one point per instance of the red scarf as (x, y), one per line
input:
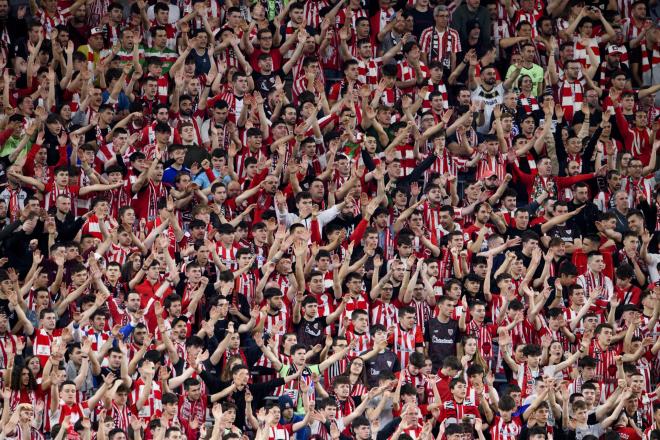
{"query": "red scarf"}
(649, 61)
(529, 105)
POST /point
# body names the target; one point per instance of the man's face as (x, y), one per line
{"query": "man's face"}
(478, 313)
(68, 393)
(408, 321)
(4, 8)
(133, 302)
(96, 41)
(270, 184)
(442, 19)
(162, 16)
(639, 11)
(489, 77)
(640, 119)
(572, 70)
(150, 89)
(447, 308)
(99, 322)
(545, 167)
(522, 219)
(621, 201)
(459, 391)
(351, 72)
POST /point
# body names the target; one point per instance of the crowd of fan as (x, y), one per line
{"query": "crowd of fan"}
(329, 221)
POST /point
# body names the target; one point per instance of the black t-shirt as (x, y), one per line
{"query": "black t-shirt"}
(265, 83)
(513, 232)
(442, 339)
(310, 333)
(567, 232)
(90, 136)
(421, 20)
(382, 362)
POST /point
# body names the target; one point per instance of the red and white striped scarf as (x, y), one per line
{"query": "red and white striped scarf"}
(641, 141)
(581, 52)
(571, 96)
(471, 135)
(14, 206)
(526, 380)
(193, 410)
(7, 346)
(390, 96)
(649, 61)
(155, 193)
(529, 104)
(592, 281)
(368, 72)
(496, 164)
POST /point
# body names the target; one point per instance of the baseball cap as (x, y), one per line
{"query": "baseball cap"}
(95, 31)
(488, 174)
(613, 48)
(285, 402)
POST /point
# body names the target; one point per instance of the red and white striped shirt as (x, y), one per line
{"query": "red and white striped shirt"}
(382, 313)
(363, 342)
(606, 367)
(153, 407)
(404, 342)
(495, 164)
(228, 255)
(501, 430)
(406, 72)
(312, 12)
(439, 44)
(484, 334)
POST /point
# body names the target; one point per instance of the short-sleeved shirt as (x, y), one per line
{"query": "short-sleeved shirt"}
(312, 332)
(288, 370)
(535, 73)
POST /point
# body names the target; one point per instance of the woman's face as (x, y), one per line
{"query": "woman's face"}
(625, 159)
(526, 83)
(556, 349)
(54, 127)
(25, 377)
(34, 365)
(357, 366)
(471, 347)
(65, 112)
(258, 12)
(137, 262)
